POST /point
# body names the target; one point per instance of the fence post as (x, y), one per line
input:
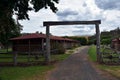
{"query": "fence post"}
(98, 42)
(29, 51)
(47, 55)
(15, 58)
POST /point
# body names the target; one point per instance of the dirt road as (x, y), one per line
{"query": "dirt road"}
(77, 67)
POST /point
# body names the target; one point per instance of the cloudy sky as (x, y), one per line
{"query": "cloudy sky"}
(108, 11)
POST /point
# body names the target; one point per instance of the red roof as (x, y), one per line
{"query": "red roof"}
(30, 36)
(37, 35)
(117, 39)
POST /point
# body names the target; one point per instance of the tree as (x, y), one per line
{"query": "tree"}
(21, 7)
(8, 8)
(9, 31)
(105, 41)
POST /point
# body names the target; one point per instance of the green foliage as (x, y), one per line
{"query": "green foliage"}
(91, 40)
(106, 36)
(9, 30)
(109, 55)
(105, 41)
(83, 41)
(39, 4)
(8, 27)
(21, 7)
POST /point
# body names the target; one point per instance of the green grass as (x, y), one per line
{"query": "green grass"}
(29, 73)
(59, 57)
(92, 53)
(113, 70)
(23, 73)
(5, 50)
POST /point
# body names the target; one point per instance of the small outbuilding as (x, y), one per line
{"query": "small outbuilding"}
(116, 44)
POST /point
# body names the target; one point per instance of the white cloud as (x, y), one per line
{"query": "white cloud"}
(75, 10)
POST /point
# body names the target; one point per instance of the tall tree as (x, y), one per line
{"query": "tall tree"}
(19, 7)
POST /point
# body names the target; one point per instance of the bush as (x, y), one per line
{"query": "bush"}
(106, 41)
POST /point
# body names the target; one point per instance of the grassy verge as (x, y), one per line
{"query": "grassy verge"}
(113, 70)
(29, 73)
(92, 53)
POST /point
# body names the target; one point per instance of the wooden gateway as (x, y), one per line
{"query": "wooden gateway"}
(47, 24)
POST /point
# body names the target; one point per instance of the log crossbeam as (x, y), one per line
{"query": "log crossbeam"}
(53, 23)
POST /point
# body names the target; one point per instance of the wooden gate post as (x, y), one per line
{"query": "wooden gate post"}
(98, 42)
(47, 55)
(42, 44)
(15, 58)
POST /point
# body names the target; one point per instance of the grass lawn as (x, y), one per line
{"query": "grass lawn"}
(113, 70)
(28, 73)
(24, 73)
(5, 50)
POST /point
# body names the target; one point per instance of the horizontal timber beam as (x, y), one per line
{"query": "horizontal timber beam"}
(52, 23)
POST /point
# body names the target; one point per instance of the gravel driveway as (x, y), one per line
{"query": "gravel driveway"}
(77, 67)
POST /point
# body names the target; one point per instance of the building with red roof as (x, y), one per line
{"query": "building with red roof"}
(36, 42)
(116, 44)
